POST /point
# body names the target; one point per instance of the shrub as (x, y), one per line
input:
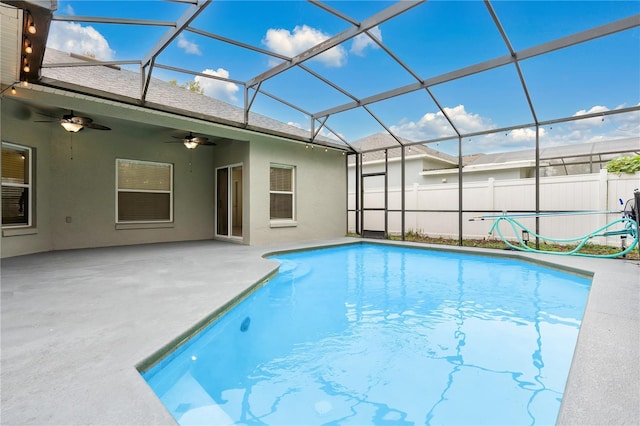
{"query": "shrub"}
(620, 165)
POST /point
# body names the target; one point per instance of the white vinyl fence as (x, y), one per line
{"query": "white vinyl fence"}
(599, 191)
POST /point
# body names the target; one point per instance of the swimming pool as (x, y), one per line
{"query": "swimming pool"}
(378, 334)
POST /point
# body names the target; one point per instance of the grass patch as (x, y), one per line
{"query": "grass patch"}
(498, 244)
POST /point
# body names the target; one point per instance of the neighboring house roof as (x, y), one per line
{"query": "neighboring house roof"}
(602, 148)
(374, 146)
(605, 150)
(114, 82)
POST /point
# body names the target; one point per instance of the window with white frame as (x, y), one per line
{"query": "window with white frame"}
(17, 194)
(282, 192)
(144, 191)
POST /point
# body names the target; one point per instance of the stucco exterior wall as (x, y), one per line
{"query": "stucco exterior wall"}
(75, 185)
(16, 128)
(320, 191)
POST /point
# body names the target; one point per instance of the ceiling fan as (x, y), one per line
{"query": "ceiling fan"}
(191, 141)
(74, 123)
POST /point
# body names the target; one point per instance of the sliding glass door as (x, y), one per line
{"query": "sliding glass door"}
(229, 201)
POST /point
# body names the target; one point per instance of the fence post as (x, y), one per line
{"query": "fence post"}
(602, 199)
(492, 192)
(415, 206)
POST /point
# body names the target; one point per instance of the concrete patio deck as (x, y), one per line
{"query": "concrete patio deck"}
(76, 323)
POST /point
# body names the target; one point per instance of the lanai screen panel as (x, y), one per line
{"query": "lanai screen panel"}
(509, 63)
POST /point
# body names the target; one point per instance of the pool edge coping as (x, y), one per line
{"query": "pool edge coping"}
(166, 350)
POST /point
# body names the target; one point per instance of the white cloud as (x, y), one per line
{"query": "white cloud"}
(302, 38)
(592, 110)
(218, 89)
(69, 10)
(467, 122)
(589, 123)
(188, 46)
(628, 123)
(362, 41)
(434, 125)
(599, 127)
(75, 38)
(525, 135)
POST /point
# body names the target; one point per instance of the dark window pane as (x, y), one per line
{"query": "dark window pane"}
(15, 206)
(281, 206)
(140, 206)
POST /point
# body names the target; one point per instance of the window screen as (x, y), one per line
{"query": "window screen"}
(144, 191)
(16, 185)
(281, 191)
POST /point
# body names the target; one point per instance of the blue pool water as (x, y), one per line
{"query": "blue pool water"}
(377, 334)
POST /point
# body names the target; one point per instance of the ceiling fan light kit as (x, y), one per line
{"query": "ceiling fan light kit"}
(73, 123)
(72, 127)
(191, 141)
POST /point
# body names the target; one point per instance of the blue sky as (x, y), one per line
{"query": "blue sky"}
(433, 38)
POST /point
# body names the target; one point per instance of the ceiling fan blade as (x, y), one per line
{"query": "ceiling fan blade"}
(85, 121)
(96, 126)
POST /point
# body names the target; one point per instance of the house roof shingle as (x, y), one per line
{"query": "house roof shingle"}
(115, 82)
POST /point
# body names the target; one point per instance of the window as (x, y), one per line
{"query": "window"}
(144, 191)
(282, 192)
(17, 194)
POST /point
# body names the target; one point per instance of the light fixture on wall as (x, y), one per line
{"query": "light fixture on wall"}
(28, 48)
(31, 26)
(13, 90)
